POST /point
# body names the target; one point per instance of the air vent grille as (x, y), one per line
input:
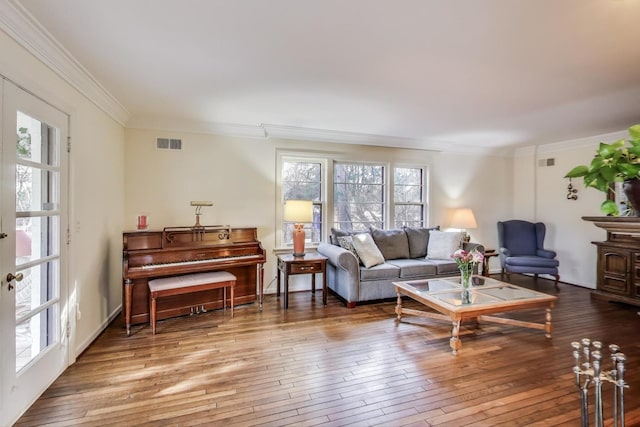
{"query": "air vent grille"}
(169, 144)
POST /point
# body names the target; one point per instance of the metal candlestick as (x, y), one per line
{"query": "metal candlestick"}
(588, 369)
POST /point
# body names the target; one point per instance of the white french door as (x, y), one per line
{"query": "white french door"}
(33, 249)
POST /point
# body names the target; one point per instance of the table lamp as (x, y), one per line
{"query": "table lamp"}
(298, 212)
(463, 219)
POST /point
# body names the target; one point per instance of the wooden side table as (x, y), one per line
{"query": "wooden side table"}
(488, 254)
(310, 263)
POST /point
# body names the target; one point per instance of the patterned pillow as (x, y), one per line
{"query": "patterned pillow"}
(346, 242)
(335, 233)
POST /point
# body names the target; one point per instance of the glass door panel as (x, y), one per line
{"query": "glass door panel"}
(33, 292)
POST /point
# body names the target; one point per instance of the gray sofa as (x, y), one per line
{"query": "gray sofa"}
(404, 252)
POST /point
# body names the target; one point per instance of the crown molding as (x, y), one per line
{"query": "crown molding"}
(268, 131)
(187, 126)
(310, 134)
(570, 144)
(586, 142)
(525, 151)
(20, 25)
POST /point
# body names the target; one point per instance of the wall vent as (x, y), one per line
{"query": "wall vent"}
(546, 162)
(168, 144)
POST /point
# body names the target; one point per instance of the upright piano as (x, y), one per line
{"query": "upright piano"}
(181, 250)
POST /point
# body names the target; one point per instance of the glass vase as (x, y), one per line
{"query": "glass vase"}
(466, 275)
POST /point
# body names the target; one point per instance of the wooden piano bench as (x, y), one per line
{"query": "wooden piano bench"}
(187, 283)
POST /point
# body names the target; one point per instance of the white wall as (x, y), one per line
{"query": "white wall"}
(523, 186)
(239, 176)
(96, 188)
(567, 233)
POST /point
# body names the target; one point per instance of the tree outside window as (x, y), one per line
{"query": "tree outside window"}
(302, 180)
(408, 196)
(358, 196)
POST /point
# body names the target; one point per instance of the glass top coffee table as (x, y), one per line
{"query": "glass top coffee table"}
(456, 304)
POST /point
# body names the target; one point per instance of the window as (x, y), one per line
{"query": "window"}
(358, 196)
(302, 180)
(408, 197)
(349, 195)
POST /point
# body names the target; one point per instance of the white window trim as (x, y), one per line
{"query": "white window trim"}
(294, 156)
(425, 186)
(327, 161)
(386, 195)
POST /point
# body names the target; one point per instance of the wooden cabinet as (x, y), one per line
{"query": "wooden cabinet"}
(618, 275)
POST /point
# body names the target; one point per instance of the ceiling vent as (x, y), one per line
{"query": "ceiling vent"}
(546, 162)
(168, 144)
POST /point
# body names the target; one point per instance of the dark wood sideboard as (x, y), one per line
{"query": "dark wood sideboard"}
(618, 274)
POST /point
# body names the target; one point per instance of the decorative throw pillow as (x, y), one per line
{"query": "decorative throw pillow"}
(418, 240)
(346, 242)
(392, 243)
(367, 250)
(442, 244)
(335, 233)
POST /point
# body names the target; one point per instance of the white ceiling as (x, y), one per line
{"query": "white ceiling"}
(489, 73)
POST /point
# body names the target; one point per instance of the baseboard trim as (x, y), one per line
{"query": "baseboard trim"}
(80, 349)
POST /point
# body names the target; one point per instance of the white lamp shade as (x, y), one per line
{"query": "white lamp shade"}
(463, 219)
(298, 211)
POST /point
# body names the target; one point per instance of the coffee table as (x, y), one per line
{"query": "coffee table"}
(456, 304)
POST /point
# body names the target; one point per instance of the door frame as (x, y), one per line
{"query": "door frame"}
(67, 300)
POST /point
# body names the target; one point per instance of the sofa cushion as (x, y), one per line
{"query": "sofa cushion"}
(380, 272)
(414, 267)
(346, 242)
(445, 267)
(442, 244)
(532, 261)
(367, 250)
(392, 243)
(418, 238)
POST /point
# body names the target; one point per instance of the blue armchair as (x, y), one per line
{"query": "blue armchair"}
(522, 249)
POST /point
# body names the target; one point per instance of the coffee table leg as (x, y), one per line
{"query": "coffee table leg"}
(547, 324)
(399, 306)
(454, 342)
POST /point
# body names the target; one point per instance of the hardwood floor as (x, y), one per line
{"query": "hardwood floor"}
(315, 365)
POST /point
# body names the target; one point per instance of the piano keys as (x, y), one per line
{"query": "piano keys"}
(182, 250)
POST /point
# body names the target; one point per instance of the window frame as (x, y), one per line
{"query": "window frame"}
(300, 157)
(424, 194)
(327, 161)
(385, 187)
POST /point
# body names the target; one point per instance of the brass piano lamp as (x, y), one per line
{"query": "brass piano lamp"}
(199, 204)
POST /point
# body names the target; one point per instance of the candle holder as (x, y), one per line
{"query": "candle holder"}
(588, 369)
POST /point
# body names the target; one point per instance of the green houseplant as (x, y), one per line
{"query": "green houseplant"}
(615, 162)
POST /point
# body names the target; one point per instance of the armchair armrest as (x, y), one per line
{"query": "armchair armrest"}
(546, 253)
(504, 254)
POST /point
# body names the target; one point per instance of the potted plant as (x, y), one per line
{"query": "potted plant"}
(615, 162)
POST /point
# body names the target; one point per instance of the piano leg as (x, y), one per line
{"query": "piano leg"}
(128, 293)
(261, 285)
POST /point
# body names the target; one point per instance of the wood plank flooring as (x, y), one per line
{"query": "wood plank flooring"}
(316, 365)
